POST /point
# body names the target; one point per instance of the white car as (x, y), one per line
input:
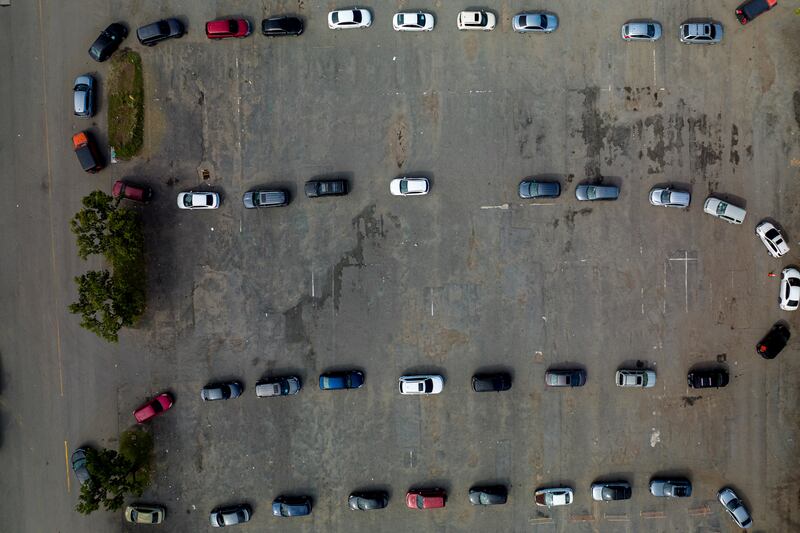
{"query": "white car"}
(636, 378)
(789, 297)
(553, 497)
(428, 384)
(198, 200)
(344, 19)
(476, 20)
(772, 239)
(412, 21)
(735, 508)
(409, 186)
(721, 209)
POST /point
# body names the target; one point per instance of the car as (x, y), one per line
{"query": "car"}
(735, 508)
(83, 98)
(348, 379)
(231, 515)
(476, 20)
(565, 378)
(274, 198)
(278, 386)
(701, 32)
(152, 34)
(153, 407)
(488, 495)
(708, 379)
(666, 197)
(86, 152)
(108, 41)
(636, 378)
(367, 501)
(424, 384)
(198, 200)
(596, 192)
(789, 297)
(724, 210)
(344, 19)
(553, 497)
(409, 186)
(491, 382)
(144, 514)
(419, 21)
(606, 491)
(774, 341)
(221, 391)
(753, 8)
(641, 30)
(288, 506)
(317, 188)
(538, 21)
(78, 461)
(225, 28)
(539, 189)
(283, 25)
(426, 498)
(671, 488)
(128, 191)
(772, 239)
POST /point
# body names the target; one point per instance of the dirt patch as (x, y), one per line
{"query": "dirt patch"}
(430, 103)
(399, 140)
(126, 104)
(471, 47)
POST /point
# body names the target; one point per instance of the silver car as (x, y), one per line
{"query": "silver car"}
(221, 391)
(83, 96)
(539, 22)
(735, 508)
(280, 386)
(641, 30)
(596, 192)
(636, 378)
(669, 197)
(701, 32)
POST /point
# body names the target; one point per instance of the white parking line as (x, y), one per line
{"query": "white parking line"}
(685, 260)
(502, 206)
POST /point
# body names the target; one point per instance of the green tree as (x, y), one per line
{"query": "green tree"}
(112, 477)
(96, 306)
(90, 224)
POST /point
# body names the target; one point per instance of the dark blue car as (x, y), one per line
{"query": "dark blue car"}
(291, 506)
(349, 379)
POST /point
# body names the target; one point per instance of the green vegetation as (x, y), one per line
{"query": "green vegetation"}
(109, 301)
(126, 104)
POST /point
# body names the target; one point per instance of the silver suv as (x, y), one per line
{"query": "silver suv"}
(636, 378)
(701, 32)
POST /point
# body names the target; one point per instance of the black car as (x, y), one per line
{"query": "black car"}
(316, 188)
(285, 25)
(291, 506)
(491, 382)
(367, 501)
(108, 42)
(493, 495)
(152, 34)
(78, 461)
(275, 198)
(539, 189)
(348, 379)
(231, 515)
(773, 342)
(706, 379)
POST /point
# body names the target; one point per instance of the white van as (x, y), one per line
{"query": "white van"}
(724, 210)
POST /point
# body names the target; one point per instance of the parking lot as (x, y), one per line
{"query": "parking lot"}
(469, 278)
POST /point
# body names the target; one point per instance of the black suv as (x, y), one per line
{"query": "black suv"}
(108, 42)
(705, 379)
(491, 382)
(773, 342)
(316, 188)
(275, 26)
(276, 198)
(156, 32)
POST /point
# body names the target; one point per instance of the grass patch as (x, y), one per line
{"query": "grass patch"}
(126, 104)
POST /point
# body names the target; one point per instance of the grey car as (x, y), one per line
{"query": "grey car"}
(671, 488)
(537, 21)
(279, 386)
(274, 198)
(539, 189)
(78, 461)
(231, 515)
(641, 30)
(606, 491)
(596, 192)
(367, 501)
(491, 495)
(666, 197)
(565, 378)
(288, 506)
(221, 391)
(701, 32)
(735, 508)
(83, 96)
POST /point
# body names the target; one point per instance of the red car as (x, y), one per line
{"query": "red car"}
(753, 8)
(131, 192)
(220, 29)
(425, 498)
(153, 408)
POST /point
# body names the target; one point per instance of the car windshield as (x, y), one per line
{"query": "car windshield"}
(420, 20)
(156, 405)
(356, 16)
(400, 19)
(664, 197)
(712, 31)
(721, 208)
(233, 26)
(591, 192)
(404, 186)
(335, 17)
(420, 500)
(428, 385)
(187, 200)
(771, 234)
(542, 22)
(651, 30)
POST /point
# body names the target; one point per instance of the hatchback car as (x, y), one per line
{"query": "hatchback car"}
(425, 498)
(489, 495)
(735, 508)
(772, 239)
(708, 379)
(288, 506)
(256, 199)
(367, 501)
(701, 32)
(419, 21)
(221, 391)
(721, 209)
(152, 34)
(671, 488)
(565, 378)
(425, 384)
(666, 197)
(231, 515)
(317, 188)
(596, 192)
(198, 200)
(774, 341)
(145, 514)
(641, 30)
(636, 378)
(476, 20)
(539, 189)
(153, 408)
(285, 25)
(409, 186)
(553, 497)
(539, 22)
(83, 98)
(278, 386)
(224, 28)
(108, 42)
(753, 8)
(344, 19)
(129, 191)
(78, 461)
(491, 382)
(349, 379)
(610, 491)
(789, 298)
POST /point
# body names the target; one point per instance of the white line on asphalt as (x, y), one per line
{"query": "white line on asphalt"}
(642, 300)
(502, 206)
(654, 67)
(66, 465)
(685, 260)
(312, 284)
(664, 302)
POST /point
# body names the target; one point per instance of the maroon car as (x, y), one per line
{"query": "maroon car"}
(221, 29)
(129, 191)
(425, 498)
(153, 408)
